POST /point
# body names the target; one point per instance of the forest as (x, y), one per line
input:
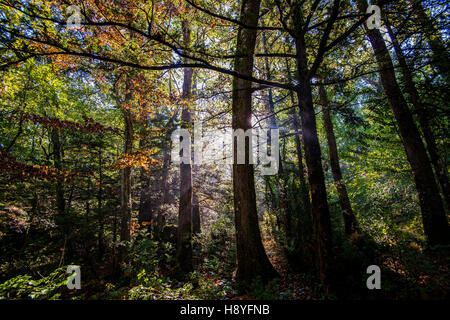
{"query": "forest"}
(224, 150)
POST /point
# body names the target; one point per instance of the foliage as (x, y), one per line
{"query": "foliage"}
(24, 287)
(86, 172)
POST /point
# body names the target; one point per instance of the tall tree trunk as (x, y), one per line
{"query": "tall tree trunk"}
(283, 207)
(101, 221)
(125, 177)
(184, 233)
(298, 149)
(167, 146)
(196, 221)
(252, 261)
(145, 213)
(311, 144)
(350, 223)
(303, 256)
(433, 215)
(125, 189)
(160, 219)
(60, 200)
(439, 166)
(57, 158)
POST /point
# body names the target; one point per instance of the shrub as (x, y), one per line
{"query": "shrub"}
(24, 287)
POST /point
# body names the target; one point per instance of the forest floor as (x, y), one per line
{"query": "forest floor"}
(291, 285)
(409, 270)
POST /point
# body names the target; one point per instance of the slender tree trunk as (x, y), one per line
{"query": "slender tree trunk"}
(145, 213)
(304, 225)
(125, 189)
(115, 254)
(57, 158)
(252, 261)
(303, 256)
(126, 172)
(125, 178)
(311, 144)
(196, 221)
(160, 220)
(433, 215)
(184, 233)
(283, 203)
(101, 221)
(195, 215)
(167, 146)
(316, 179)
(60, 199)
(350, 223)
(298, 149)
(439, 166)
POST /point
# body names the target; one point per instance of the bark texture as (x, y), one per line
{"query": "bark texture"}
(319, 204)
(184, 234)
(252, 261)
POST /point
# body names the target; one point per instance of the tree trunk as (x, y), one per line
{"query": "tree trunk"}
(433, 215)
(125, 181)
(167, 146)
(57, 158)
(60, 199)
(145, 212)
(101, 221)
(282, 202)
(302, 258)
(195, 215)
(125, 178)
(184, 233)
(419, 108)
(350, 223)
(316, 179)
(311, 144)
(252, 261)
(145, 204)
(196, 221)
(160, 219)
(303, 252)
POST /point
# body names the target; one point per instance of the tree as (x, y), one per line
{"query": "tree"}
(184, 233)
(311, 143)
(125, 173)
(433, 215)
(252, 261)
(349, 217)
(420, 110)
